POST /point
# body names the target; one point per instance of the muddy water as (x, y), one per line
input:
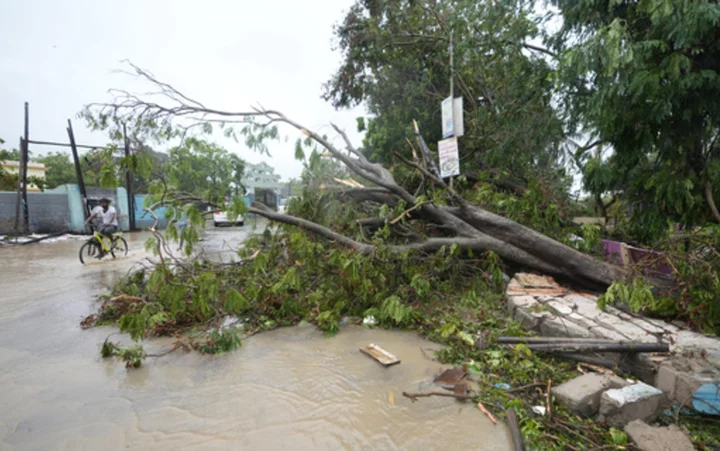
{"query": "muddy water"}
(287, 389)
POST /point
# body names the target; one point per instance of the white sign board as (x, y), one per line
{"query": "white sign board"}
(449, 157)
(452, 126)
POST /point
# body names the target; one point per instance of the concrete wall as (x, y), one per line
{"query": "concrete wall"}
(61, 209)
(144, 219)
(48, 212)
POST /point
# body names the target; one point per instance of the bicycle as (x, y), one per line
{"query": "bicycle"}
(97, 246)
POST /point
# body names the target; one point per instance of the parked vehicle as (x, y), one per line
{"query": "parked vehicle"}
(221, 218)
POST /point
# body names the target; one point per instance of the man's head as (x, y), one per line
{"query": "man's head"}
(104, 203)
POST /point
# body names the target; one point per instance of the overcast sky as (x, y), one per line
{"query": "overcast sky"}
(229, 54)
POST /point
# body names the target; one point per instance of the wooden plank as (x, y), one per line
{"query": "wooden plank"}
(382, 356)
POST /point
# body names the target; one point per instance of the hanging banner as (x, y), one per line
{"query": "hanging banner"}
(449, 157)
(452, 126)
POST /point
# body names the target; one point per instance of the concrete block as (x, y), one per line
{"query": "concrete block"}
(561, 327)
(529, 320)
(514, 287)
(626, 328)
(521, 301)
(692, 340)
(581, 321)
(667, 327)
(682, 378)
(577, 297)
(648, 438)
(639, 401)
(582, 394)
(642, 324)
(561, 307)
(604, 332)
(586, 307)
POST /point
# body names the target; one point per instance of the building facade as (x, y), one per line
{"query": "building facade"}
(34, 170)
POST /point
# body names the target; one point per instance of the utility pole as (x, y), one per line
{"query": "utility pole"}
(78, 171)
(129, 182)
(452, 91)
(26, 152)
(18, 204)
(452, 78)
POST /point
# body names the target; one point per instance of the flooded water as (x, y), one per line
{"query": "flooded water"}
(286, 389)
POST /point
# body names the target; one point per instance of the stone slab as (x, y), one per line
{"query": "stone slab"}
(624, 327)
(582, 394)
(586, 308)
(604, 332)
(519, 301)
(561, 307)
(648, 438)
(640, 401)
(641, 323)
(561, 327)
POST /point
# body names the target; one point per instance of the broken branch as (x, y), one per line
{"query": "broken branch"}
(413, 396)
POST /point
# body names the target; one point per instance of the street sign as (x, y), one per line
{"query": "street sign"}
(449, 157)
(452, 117)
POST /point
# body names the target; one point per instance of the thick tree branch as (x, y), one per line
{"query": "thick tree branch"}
(711, 201)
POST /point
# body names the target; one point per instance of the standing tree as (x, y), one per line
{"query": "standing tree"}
(645, 76)
(396, 61)
(204, 169)
(60, 169)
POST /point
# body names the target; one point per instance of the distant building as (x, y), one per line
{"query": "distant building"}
(261, 175)
(36, 170)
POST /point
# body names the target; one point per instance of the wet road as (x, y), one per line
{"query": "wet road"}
(287, 389)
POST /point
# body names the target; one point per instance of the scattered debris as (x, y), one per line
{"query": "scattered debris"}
(547, 398)
(582, 367)
(513, 424)
(502, 386)
(382, 356)
(591, 347)
(413, 396)
(391, 398)
(487, 412)
(540, 410)
(707, 399)
(369, 321)
(449, 378)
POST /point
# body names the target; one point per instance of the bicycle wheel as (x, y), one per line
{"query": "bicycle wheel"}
(120, 247)
(88, 251)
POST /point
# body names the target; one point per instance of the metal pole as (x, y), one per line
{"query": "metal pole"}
(26, 152)
(129, 182)
(452, 92)
(452, 79)
(18, 203)
(78, 171)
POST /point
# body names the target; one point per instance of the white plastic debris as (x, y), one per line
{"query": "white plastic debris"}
(369, 321)
(540, 410)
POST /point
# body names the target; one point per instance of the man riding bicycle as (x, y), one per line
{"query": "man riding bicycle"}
(108, 215)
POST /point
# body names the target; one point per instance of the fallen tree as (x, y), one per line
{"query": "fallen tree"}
(462, 223)
(413, 270)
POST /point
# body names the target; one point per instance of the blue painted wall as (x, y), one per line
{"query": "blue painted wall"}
(47, 212)
(144, 219)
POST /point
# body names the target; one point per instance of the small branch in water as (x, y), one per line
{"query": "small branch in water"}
(413, 396)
